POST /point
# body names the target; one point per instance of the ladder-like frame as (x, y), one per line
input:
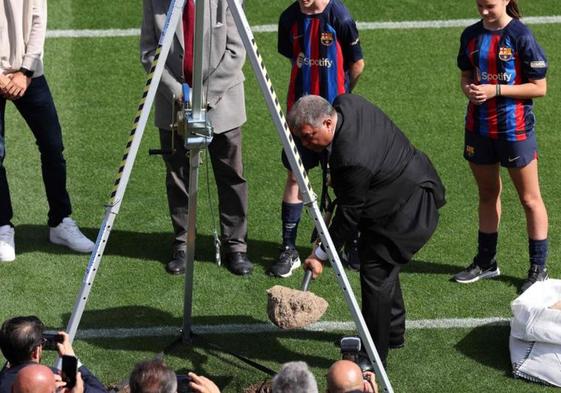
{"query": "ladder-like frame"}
(199, 134)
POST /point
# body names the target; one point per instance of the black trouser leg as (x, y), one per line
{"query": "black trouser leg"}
(382, 302)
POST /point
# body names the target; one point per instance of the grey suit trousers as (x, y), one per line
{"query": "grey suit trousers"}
(225, 152)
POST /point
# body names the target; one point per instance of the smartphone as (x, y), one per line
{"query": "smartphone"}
(50, 339)
(69, 370)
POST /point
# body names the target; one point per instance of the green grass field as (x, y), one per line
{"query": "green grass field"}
(411, 74)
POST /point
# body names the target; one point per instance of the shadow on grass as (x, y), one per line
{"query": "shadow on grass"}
(153, 246)
(427, 267)
(494, 339)
(258, 347)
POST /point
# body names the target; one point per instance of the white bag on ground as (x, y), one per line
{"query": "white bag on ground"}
(535, 334)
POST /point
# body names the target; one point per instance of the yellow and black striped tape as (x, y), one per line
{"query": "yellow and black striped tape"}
(134, 126)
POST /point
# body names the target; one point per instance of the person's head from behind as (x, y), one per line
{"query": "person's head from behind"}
(152, 376)
(313, 120)
(294, 377)
(34, 378)
(21, 339)
(345, 376)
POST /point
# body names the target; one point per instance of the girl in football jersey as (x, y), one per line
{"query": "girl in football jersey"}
(502, 69)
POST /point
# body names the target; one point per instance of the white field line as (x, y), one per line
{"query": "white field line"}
(160, 331)
(426, 24)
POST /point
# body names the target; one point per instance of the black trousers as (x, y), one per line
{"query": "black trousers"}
(383, 250)
(38, 110)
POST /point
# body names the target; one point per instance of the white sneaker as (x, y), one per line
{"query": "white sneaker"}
(68, 234)
(7, 244)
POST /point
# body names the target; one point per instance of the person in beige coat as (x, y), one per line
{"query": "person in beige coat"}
(224, 56)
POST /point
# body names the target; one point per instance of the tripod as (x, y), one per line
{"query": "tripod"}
(198, 136)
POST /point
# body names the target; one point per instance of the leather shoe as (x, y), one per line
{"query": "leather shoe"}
(177, 264)
(238, 263)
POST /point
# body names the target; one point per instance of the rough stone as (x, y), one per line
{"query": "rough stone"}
(291, 308)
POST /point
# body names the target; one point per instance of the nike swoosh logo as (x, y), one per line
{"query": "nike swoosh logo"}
(474, 52)
(295, 37)
(513, 159)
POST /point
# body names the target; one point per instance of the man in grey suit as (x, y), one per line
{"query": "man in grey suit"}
(223, 85)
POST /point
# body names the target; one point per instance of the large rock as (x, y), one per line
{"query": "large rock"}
(290, 308)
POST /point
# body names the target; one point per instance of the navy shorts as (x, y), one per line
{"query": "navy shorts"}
(481, 150)
(310, 158)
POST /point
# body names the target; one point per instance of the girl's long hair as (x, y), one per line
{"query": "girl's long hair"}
(513, 10)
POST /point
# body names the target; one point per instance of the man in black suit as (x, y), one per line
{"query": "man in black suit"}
(385, 188)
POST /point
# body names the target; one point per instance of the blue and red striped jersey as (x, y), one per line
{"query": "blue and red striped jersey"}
(321, 48)
(510, 56)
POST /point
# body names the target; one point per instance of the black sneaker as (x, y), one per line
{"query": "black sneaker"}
(536, 273)
(289, 260)
(475, 272)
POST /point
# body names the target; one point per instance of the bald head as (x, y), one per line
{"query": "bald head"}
(34, 379)
(344, 376)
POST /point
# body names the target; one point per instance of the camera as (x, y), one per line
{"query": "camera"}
(50, 339)
(350, 348)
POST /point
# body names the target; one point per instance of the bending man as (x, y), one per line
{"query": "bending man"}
(385, 188)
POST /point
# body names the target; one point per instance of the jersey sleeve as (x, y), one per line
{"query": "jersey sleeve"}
(284, 38)
(532, 56)
(350, 42)
(463, 60)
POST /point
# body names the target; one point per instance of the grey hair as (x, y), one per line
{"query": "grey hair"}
(152, 376)
(295, 377)
(311, 110)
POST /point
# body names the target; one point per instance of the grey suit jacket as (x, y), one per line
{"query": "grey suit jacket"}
(224, 56)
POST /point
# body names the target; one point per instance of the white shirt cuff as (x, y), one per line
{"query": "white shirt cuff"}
(320, 254)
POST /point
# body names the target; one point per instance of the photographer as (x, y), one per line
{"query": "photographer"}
(345, 376)
(294, 377)
(22, 343)
(153, 376)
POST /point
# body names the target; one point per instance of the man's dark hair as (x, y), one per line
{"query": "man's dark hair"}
(152, 376)
(19, 336)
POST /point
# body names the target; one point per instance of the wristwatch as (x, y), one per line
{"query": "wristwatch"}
(26, 72)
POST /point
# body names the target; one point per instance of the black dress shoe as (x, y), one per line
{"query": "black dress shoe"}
(237, 263)
(177, 264)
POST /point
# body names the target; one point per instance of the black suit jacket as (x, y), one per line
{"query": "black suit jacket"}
(374, 169)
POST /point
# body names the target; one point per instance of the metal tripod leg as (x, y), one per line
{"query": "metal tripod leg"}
(309, 197)
(194, 163)
(121, 180)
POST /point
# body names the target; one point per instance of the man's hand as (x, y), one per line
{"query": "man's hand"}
(65, 348)
(202, 384)
(17, 86)
(4, 82)
(370, 384)
(78, 388)
(314, 264)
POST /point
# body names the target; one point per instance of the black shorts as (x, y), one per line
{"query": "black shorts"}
(310, 158)
(486, 151)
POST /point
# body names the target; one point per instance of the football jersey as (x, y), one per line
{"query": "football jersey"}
(509, 56)
(321, 48)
